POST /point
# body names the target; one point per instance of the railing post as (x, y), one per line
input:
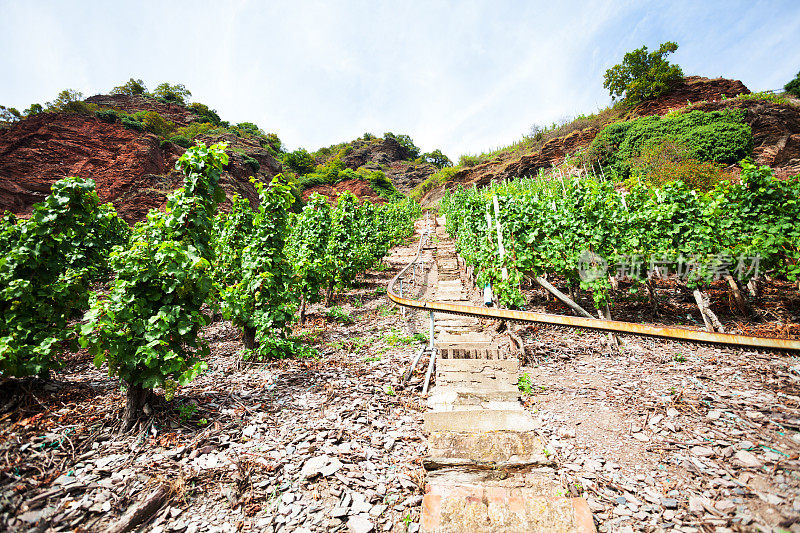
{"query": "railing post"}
(431, 361)
(433, 323)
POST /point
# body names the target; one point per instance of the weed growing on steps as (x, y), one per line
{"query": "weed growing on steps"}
(524, 384)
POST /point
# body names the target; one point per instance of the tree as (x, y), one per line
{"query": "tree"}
(155, 123)
(300, 161)
(70, 101)
(437, 158)
(406, 142)
(34, 109)
(643, 76)
(132, 88)
(793, 87)
(9, 114)
(173, 94)
(205, 113)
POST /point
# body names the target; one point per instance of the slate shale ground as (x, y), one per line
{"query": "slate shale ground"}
(661, 437)
(669, 436)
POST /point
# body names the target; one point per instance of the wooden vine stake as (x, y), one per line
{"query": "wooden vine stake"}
(709, 318)
(737, 295)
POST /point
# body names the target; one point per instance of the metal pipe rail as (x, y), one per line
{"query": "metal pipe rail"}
(613, 326)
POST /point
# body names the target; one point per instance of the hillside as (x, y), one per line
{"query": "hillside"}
(133, 169)
(775, 127)
(369, 167)
(399, 164)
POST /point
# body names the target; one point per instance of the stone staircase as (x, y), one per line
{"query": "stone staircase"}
(487, 469)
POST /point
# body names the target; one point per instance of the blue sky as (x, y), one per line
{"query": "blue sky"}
(465, 76)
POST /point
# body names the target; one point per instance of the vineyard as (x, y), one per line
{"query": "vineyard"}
(74, 273)
(592, 233)
(196, 340)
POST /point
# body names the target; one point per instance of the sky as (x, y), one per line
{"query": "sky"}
(466, 77)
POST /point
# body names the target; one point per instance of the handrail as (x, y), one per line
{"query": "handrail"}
(614, 326)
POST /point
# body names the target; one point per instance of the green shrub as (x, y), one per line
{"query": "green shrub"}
(69, 101)
(667, 160)
(107, 115)
(131, 123)
(205, 113)
(154, 123)
(34, 109)
(181, 140)
(250, 162)
(382, 185)
(146, 327)
(9, 114)
(793, 87)
(718, 137)
(470, 160)
(273, 143)
(261, 300)
(433, 181)
(643, 76)
(48, 263)
(193, 130)
(765, 97)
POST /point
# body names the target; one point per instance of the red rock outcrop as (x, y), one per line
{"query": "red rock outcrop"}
(131, 104)
(389, 156)
(692, 90)
(130, 169)
(361, 188)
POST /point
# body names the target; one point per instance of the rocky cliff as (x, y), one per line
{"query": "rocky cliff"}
(389, 156)
(133, 170)
(131, 104)
(360, 188)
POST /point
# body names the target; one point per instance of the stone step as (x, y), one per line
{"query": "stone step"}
(479, 420)
(476, 339)
(474, 395)
(464, 380)
(442, 402)
(507, 447)
(488, 506)
(472, 373)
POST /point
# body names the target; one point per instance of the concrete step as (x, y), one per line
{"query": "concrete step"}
(511, 448)
(479, 420)
(447, 399)
(467, 396)
(476, 339)
(479, 365)
(477, 373)
(495, 506)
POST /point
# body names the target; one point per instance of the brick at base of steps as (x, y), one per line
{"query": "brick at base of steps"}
(494, 502)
